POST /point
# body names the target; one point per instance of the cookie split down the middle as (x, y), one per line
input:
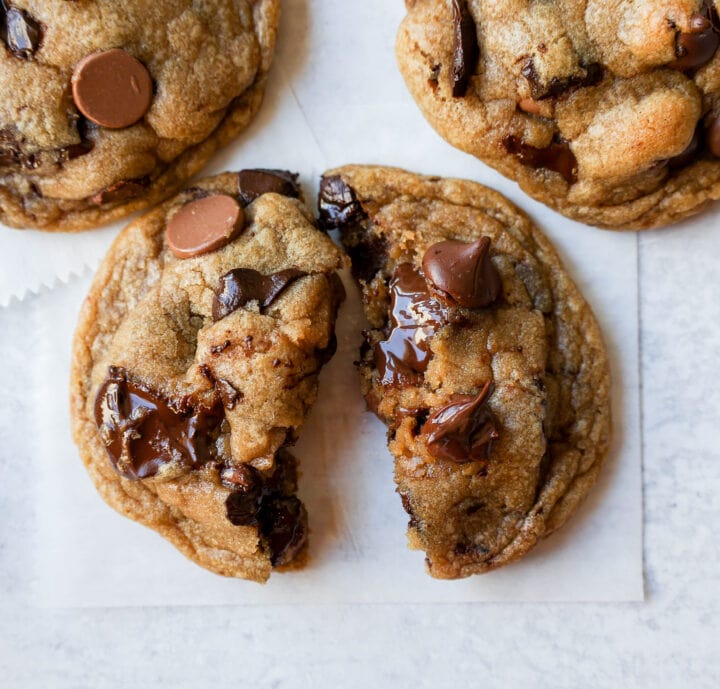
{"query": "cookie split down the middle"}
(483, 359)
(196, 360)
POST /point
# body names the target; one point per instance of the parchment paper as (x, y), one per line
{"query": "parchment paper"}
(335, 97)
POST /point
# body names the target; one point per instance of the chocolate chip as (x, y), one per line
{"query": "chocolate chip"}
(466, 51)
(254, 183)
(229, 394)
(712, 136)
(415, 316)
(142, 431)
(556, 157)
(124, 190)
(204, 225)
(593, 74)
(284, 526)
(242, 477)
(112, 88)
(338, 203)
(698, 46)
(243, 285)
(340, 209)
(463, 430)
(22, 34)
(244, 503)
(461, 274)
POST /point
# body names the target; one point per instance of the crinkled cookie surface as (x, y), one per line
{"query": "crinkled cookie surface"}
(608, 112)
(73, 153)
(483, 359)
(191, 376)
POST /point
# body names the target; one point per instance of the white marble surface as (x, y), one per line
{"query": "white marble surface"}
(669, 641)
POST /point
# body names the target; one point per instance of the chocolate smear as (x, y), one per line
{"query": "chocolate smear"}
(142, 431)
(463, 430)
(415, 316)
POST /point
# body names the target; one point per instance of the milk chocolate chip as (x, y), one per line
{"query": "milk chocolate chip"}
(142, 431)
(699, 45)
(254, 183)
(21, 33)
(712, 136)
(466, 51)
(461, 274)
(204, 225)
(243, 285)
(112, 88)
(414, 318)
(463, 430)
(556, 157)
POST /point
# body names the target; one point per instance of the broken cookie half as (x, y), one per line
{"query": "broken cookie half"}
(196, 359)
(483, 359)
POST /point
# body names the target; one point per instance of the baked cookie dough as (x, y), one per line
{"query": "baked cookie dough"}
(195, 362)
(482, 357)
(108, 107)
(608, 112)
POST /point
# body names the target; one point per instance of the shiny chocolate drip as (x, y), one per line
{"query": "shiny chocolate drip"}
(142, 431)
(415, 317)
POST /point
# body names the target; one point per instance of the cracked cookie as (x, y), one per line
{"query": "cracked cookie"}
(482, 357)
(607, 112)
(195, 362)
(110, 107)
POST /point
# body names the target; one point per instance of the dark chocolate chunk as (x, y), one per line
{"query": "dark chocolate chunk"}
(559, 85)
(244, 503)
(243, 285)
(340, 209)
(466, 51)
(556, 157)
(283, 523)
(415, 317)
(338, 204)
(461, 274)
(124, 190)
(254, 183)
(712, 135)
(22, 34)
(142, 431)
(243, 477)
(463, 430)
(699, 45)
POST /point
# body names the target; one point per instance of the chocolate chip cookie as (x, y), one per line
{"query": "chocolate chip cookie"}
(109, 107)
(195, 362)
(483, 359)
(608, 112)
